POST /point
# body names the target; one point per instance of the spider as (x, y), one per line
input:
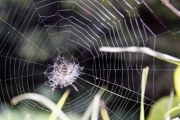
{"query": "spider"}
(62, 72)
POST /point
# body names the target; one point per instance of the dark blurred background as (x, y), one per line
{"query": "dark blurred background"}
(33, 32)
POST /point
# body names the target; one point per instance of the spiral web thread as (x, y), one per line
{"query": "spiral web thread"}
(34, 32)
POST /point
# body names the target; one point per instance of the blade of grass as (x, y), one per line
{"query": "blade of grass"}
(95, 107)
(9, 115)
(177, 81)
(103, 110)
(27, 117)
(171, 7)
(145, 50)
(53, 115)
(41, 99)
(87, 113)
(170, 104)
(143, 87)
(172, 110)
(177, 118)
(104, 114)
(89, 110)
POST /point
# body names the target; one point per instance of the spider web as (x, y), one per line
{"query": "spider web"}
(33, 32)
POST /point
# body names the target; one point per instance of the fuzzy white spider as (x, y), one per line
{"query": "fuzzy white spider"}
(62, 73)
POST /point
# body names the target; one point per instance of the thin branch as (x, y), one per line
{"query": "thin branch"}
(171, 7)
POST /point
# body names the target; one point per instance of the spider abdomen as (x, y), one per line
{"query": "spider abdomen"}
(64, 70)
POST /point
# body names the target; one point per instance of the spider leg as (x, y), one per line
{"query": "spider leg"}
(52, 89)
(74, 87)
(56, 67)
(55, 86)
(58, 51)
(72, 58)
(73, 65)
(58, 74)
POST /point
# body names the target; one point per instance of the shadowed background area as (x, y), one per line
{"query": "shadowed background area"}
(34, 32)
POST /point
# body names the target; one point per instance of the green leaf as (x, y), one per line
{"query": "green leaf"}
(177, 81)
(160, 108)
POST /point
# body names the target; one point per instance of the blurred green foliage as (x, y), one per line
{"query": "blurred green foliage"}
(160, 108)
(29, 34)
